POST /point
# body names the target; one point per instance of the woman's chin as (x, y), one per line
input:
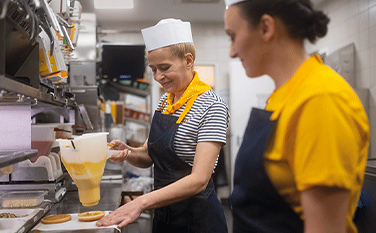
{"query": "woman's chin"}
(252, 74)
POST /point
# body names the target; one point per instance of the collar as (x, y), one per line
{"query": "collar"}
(284, 93)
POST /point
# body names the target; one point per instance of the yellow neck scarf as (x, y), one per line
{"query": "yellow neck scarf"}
(194, 89)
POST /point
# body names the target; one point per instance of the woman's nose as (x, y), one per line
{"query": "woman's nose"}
(158, 76)
(232, 52)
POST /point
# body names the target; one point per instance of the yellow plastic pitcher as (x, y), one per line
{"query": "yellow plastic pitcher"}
(84, 157)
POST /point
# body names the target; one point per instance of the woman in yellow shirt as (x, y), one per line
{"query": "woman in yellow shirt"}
(301, 164)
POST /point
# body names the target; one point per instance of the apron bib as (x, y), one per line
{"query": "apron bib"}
(257, 205)
(201, 213)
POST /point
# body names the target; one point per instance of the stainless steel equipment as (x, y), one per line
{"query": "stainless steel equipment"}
(88, 114)
(33, 176)
(21, 180)
(22, 87)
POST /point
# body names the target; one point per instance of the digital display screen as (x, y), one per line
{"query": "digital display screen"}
(123, 62)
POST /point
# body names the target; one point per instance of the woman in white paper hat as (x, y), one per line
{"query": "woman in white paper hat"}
(301, 165)
(187, 132)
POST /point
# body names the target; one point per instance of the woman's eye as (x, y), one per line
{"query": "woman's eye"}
(231, 37)
(164, 68)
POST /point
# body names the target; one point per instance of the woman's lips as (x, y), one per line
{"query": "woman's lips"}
(165, 84)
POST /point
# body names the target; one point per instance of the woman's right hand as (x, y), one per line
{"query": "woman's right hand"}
(117, 145)
(123, 155)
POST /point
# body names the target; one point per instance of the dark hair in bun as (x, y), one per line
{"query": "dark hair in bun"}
(300, 19)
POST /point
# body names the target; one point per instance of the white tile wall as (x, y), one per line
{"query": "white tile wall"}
(354, 21)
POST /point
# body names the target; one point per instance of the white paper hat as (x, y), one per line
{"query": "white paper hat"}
(167, 32)
(232, 2)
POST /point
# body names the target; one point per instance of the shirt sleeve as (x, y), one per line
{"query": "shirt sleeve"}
(327, 147)
(214, 124)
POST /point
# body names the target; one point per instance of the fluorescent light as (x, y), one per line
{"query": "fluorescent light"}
(113, 4)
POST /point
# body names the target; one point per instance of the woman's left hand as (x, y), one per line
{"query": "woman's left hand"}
(122, 216)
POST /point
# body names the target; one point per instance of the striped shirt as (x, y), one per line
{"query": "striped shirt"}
(207, 121)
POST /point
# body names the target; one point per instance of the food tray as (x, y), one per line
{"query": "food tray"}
(22, 199)
(24, 220)
(72, 225)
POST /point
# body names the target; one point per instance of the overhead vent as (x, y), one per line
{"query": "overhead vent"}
(200, 1)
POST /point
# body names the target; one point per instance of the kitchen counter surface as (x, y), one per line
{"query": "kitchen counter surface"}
(110, 200)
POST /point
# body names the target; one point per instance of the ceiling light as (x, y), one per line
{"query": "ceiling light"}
(113, 4)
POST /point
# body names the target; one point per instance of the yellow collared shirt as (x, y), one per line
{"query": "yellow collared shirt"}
(321, 136)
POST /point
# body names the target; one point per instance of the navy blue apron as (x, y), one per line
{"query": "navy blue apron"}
(201, 213)
(256, 204)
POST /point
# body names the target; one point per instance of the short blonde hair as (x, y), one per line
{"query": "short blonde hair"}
(181, 49)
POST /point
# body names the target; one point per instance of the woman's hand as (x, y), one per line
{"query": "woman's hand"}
(118, 145)
(123, 155)
(123, 215)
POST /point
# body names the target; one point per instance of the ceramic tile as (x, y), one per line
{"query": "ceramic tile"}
(373, 56)
(362, 79)
(372, 151)
(372, 76)
(362, 5)
(362, 41)
(372, 15)
(372, 3)
(362, 59)
(372, 115)
(372, 36)
(363, 20)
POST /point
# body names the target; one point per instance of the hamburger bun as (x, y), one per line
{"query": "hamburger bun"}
(91, 216)
(59, 218)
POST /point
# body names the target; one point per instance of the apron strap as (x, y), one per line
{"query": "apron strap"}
(162, 105)
(186, 109)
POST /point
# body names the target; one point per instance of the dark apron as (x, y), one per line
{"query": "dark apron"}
(201, 213)
(257, 205)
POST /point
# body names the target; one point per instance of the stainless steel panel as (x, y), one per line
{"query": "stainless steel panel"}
(343, 61)
(88, 96)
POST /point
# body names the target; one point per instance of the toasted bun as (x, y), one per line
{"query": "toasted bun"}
(59, 218)
(91, 216)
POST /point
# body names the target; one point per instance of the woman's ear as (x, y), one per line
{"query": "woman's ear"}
(189, 60)
(267, 27)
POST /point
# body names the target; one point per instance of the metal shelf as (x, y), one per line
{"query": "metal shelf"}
(131, 90)
(23, 89)
(136, 121)
(12, 157)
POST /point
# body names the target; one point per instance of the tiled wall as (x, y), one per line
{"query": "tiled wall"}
(354, 21)
(212, 45)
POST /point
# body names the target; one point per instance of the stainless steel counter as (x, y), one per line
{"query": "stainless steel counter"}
(110, 200)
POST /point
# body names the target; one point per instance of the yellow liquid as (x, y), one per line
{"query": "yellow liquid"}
(87, 177)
